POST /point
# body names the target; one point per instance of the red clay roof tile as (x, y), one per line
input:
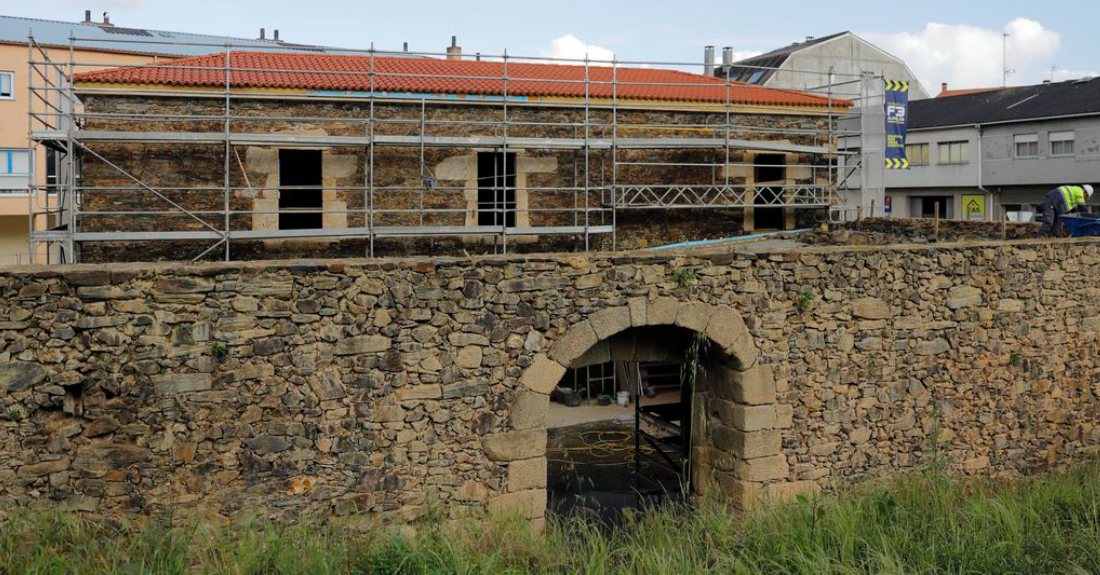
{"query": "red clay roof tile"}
(403, 74)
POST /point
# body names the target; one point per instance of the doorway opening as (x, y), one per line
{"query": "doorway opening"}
(925, 206)
(770, 176)
(620, 424)
(496, 189)
(301, 199)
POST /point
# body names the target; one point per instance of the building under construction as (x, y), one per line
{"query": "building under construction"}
(245, 154)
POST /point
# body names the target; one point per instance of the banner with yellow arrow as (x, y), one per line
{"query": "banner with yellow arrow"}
(897, 122)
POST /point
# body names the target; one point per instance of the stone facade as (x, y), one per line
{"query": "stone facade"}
(549, 182)
(376, 389)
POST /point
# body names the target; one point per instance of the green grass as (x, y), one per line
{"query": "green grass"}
(917, 525)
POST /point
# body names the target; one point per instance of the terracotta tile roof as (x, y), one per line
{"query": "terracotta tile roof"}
(403, 74)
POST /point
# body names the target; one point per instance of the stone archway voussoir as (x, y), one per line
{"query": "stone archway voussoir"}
(543, 375)
(694, 316)
(728, 330)
(610, 321)
(573, 343)
(662, 311)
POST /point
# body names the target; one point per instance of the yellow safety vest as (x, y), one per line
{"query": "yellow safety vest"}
(1073, 195)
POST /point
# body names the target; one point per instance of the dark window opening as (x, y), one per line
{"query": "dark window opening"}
(496, 189)
(928, 206)
(769, 169)
(300, 196)
(51, 169)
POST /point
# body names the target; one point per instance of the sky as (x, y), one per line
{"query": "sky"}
(955, 41)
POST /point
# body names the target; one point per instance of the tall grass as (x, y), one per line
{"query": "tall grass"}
(917, 525)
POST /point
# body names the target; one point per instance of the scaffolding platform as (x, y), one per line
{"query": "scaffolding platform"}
(58, 138)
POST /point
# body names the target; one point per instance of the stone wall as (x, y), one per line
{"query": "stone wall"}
(549, 182)
(379, 388)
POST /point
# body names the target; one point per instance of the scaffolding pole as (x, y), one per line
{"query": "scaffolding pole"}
(228, 115)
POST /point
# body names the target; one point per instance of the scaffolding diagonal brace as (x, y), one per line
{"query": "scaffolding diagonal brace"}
(150, 189)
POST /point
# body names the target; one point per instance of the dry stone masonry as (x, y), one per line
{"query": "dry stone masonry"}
(377, 389)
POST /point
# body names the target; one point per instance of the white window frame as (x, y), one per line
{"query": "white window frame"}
(6, 160)
(1027, 139)
(11, 84)
(1069, 137)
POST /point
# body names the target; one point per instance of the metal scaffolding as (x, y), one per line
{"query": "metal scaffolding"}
(59, 122)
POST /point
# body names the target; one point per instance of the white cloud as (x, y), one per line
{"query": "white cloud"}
(102, 6)
(739, 55)
(1061, 74)
(569, 46)
(970, 57)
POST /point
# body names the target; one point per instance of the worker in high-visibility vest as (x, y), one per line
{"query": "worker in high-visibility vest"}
(1059, 202)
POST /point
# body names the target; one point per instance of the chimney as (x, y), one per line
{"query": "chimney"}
(106, 20)
(708, 61)
(87, 17)
(405, 47)
(275, 34)
(263, 34)
(454, 51)
(943, 87)
(727, 56)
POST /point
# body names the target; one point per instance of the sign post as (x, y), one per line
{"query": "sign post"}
(897, 122)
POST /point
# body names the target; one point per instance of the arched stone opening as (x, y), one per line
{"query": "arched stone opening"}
(736, 443)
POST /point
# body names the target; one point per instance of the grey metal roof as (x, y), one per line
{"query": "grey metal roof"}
(15, 29)
(757, 74)
(1070, 98)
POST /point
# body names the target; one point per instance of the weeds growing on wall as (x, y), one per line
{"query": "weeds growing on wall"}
(920, 524)
(683, 276)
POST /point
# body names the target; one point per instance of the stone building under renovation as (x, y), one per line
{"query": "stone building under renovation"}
(258, 154)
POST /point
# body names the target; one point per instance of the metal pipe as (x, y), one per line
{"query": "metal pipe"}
(587, 150)
(227, 147)
(32, 171)
(615, 155)
(370, 167)
(502, 194)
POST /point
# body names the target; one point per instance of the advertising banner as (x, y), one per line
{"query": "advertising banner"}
(897, 120)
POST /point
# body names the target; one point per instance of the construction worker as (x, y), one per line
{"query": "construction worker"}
(1059, 202)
